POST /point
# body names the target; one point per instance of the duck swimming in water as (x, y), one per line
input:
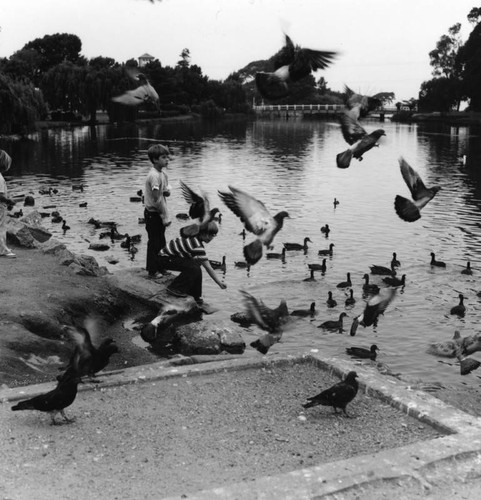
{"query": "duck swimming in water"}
(328, 251)
(336, 325)
(362, 352)
(436, 263)
(460, 309)
(298, 246)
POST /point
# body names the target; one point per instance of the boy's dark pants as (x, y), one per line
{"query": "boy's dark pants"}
(189, 281)
(156, 233)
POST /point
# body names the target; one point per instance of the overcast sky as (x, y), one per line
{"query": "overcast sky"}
(383, 45)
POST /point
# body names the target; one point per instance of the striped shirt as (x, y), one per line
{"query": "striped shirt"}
(187, 248)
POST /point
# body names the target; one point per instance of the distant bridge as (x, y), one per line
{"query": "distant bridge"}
(295, 110)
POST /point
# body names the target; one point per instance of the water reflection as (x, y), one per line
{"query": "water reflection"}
(291, 165)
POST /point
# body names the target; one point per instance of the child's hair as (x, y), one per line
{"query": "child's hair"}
(156, 151)
(211, 228)
(5, 161)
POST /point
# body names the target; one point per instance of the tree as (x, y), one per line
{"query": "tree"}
(185, 59)
(474, 15)
(470, 60)
(443, 57)
(439, 94)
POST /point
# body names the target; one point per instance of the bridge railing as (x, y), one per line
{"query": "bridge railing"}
(326, 108)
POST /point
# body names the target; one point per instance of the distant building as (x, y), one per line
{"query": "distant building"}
(145, 59)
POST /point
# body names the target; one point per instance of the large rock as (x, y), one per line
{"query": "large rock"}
(28, 231)
(207, 337)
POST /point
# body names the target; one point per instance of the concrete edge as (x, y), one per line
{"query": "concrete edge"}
(461, 442)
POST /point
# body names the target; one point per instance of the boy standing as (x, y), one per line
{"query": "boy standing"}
(156, 213)
(5, 202)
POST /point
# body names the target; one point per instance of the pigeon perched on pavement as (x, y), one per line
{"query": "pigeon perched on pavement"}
(408, 210)
(199, 209)
(87, 359)
(375, 306)
(337, 396)
(143, 93)
(291, 63)
(256, 219)
(270, 320)
(56, 400)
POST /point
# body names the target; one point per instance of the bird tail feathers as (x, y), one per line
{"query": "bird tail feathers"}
(253, 252)
(406, 209)
(23, 405)
(343, 159)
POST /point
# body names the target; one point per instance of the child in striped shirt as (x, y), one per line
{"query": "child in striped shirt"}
(188, 256)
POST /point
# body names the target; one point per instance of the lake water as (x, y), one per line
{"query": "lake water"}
(291, 165)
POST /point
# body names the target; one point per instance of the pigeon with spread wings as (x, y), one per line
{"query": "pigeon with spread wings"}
(270, 320)
(408, 210)
(143, 93)
(375, 306)
(256, 219)
(199, 209)
(291, 63)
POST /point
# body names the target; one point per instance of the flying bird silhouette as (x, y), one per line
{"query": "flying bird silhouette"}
(143, 93)
(270, 320)
(256, 219)
(87, 359)
(56, 400)
(374, 307)
(291, 63)
(367, 142)
(337, 396)
(199, 209)
(408, 210)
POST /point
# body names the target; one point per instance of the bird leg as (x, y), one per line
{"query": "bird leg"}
(67, 420)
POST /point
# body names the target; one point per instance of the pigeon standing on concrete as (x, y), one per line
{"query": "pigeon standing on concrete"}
(337, 396)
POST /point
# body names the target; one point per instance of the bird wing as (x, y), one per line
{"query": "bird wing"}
(377, 305)
(413, 180)
(199, 205)
(313, 59)
(251, 211)
(286, 55)
(351, 129)
(254, 309)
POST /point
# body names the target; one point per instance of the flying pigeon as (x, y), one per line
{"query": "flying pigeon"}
(291, 63)
(143, 93)
(199, 209)
(408, 210)
(374, 307)
(56, 400)
(337, 396)
(86, 358)
(367, 142)
(270, 320)
(256, 219)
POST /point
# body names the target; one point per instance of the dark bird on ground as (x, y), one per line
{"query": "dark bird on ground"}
(467, 269)
(394, 261)
(369, 287)
(256, 219)
(270, 320)
(298, 246)
(337, 396)
(375, 306)
(326, 230)
(394, 281)
(277, 255)
(318, 267)
(305, 312)
(347, 283)
(350, 301)
(311, 276)
(328, 251)
(291, 64)
(336, 325)
(357, 151)
(383, 270)
(56, 400)
(408, 210)
(362, 352)
(64, 226)
(87, 359)
(140, 95)
(199, 209)
(331, 302)
(460, 309)
(436, 263)
(221, 265)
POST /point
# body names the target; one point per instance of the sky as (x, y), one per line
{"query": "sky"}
(382, 45)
